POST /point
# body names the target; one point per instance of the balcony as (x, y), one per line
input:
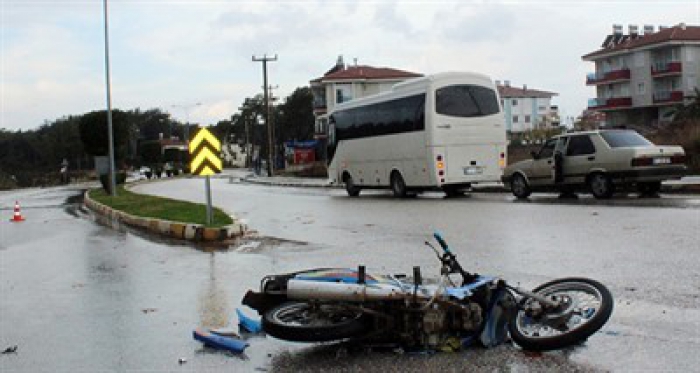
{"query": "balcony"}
(608, 77)
(664, 97)
(666, 68)
(609, 103)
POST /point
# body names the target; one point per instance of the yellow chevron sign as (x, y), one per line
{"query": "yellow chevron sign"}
(204, 154)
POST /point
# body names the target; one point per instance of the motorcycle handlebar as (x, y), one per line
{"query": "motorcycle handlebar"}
(441, 241)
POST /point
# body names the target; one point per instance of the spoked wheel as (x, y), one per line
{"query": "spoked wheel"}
(304, 322)
(584, 307)
(519, 187)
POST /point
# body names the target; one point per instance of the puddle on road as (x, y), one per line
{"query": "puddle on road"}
(74, 207)
(343, 357)
(255, 244)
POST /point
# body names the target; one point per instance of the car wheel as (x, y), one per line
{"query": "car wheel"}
(649, 189)
(350, 187)
(601, 186)
(398, 186)
(520, 187)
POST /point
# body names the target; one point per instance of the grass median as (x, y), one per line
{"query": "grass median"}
(160, 208)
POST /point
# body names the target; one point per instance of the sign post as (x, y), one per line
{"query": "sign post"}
(205, 161)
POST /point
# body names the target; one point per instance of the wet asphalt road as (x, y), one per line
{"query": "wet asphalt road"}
(80, 297)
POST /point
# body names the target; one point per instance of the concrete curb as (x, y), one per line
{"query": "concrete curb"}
(170, 229)
(252, 180)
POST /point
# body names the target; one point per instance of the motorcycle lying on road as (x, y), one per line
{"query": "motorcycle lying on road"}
(330, 304)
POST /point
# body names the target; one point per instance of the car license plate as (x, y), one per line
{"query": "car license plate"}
(473, 170)
(662, 160)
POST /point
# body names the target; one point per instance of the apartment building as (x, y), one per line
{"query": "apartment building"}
(526, 109)
(640, 77)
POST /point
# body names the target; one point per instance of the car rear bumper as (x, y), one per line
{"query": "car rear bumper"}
(650, 174)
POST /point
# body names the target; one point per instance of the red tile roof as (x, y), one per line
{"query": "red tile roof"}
(675, 33)
(368, 73)
(513, 92)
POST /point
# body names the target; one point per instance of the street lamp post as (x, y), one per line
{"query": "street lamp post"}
(110, 136)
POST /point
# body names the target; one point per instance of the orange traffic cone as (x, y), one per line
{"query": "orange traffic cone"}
(18, 215)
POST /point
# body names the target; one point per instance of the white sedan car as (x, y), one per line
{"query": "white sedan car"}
(600, 161)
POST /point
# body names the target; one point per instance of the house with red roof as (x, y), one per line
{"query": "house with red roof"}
(640, 77)
(346, 82)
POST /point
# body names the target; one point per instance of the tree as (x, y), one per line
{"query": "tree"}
(295, 118)
(152, 123)
(94, 135)
(690, 110)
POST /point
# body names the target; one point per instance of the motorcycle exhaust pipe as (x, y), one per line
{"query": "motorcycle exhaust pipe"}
(319, 290)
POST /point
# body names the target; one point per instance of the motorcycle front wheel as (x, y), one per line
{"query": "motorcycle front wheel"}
(585, 306)
(305, 322)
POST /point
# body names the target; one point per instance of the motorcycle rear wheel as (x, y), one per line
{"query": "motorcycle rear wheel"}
(587, 306)
(304, 322)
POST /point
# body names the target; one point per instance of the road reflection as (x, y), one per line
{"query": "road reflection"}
(213, 305)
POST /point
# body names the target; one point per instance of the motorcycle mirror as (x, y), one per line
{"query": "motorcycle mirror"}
(434, 249)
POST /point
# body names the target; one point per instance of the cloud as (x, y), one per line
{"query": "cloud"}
(488, 23)
(388, 18)
(166, 52)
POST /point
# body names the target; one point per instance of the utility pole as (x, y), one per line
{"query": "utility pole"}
(110, 136)
(264, 59)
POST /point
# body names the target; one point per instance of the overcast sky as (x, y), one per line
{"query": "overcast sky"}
(170, 52)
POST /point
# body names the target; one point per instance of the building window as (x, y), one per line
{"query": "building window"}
(343, 93)
(641, 89)
(542, 108)
(514, 102)
(527, 119)
(515, 119)
(625, 90)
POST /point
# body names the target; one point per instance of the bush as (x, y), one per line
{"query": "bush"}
(685, 133)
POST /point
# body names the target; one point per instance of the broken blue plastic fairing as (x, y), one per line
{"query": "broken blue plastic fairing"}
(247, 324)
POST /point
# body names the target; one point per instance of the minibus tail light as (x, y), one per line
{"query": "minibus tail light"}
(502, 160)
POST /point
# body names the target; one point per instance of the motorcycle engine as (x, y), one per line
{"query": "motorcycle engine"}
(439, 323)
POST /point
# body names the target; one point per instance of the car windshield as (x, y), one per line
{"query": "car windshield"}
(625, 139)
